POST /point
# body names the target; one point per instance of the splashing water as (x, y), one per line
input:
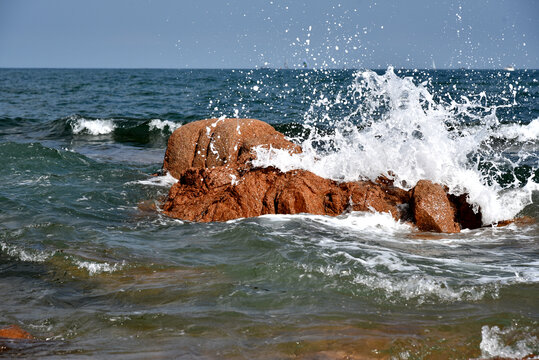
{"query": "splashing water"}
(397, 128)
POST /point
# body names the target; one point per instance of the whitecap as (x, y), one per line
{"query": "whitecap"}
(521, 133)
(404, 134)
(157, 124)
(92, 127)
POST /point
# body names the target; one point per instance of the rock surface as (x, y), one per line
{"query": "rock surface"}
(432, 209)
(14, 332)
(211, 159)
(225, 193)
(218, 142)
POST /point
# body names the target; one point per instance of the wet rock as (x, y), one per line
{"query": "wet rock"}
(519, 221)
(14, 332)
(217, 183)
(225, 193)
(467, 217)
(432, 209)
(218, 142)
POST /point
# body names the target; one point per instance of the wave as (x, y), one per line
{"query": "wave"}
(520, 133)
(374, 256)
(26, 255)
(36, 256)
(394, 127)
(121, 129)
(92, 127)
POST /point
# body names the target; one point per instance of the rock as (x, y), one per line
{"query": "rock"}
(467, 217)
(217, 183)
(225, 193)
(519, 221)
(218, 142)
(14, 332)
(432, 209)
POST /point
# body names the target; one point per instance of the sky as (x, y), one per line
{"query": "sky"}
(273, 33)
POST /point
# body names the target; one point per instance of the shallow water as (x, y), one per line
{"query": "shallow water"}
(91, 270)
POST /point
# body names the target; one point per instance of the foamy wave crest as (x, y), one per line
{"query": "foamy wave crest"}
(92, 127)
(521, 133)
(496, 342)
(407, 135)
(382, 223)
(94, 268)
(421, 288)
(25, 255)
(157, 124)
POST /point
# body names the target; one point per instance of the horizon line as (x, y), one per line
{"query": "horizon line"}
(241, 68)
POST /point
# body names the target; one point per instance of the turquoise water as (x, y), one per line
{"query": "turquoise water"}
(92, 270)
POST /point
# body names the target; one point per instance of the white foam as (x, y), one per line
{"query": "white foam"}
(360, 221)
(521, 133)
(94, 268)
(357, 221)
(407, 141)
(25, 255)
(166, 180)
(494, 342)
(92, 127)
(157, 124)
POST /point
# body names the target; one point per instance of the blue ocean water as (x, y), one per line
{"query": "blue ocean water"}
(92, 269)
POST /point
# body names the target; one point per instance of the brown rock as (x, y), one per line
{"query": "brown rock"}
(216, 183)
(14, 332)
(224, 193)
(467, 218)
(432, 209)
(217, 142)
(519, 221)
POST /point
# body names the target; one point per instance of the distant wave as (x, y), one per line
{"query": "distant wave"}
(36, 256)
(81, 125)
(92, 127)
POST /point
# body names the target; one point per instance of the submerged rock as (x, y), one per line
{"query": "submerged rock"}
(211, 158)
(14, 332)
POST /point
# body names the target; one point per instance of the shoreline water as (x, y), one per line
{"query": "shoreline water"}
(90, 274)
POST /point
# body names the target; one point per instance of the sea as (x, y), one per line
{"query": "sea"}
(92, 269)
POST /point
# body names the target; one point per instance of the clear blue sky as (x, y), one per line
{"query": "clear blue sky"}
(254, 33)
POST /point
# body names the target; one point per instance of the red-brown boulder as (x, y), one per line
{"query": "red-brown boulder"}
(217, 142)
(225, 193)
(14, 332)
(211, 159)
(432, 209)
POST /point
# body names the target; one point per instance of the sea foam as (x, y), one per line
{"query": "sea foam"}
(157, 124)
(92, 127)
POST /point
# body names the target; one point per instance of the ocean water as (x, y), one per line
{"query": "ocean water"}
(92, 270)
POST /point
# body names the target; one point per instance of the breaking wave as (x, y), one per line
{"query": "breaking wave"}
(397, 128)
(137, 130)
